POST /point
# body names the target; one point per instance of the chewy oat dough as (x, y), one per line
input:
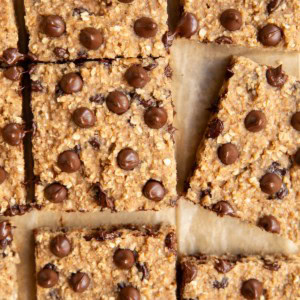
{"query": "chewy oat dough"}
(252, 23)
(12, 194)
(104, 135)
(122, 263)
(238, 278)
(248, 164)
(9, 260)
(68, 29)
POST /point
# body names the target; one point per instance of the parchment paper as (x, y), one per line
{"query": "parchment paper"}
(197, 76)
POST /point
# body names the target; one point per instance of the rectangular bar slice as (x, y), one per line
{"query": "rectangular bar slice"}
(12, 193)
(104, 135)
(126, 262)
(248, 163)
(228, 277)
(68, 30)
(9, 33)
(251, 23)
(8, 263)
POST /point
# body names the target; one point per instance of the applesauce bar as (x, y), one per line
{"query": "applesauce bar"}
(126, 262)
(237, 277)
(265, 24)
(8, 263)
(248, 164)
(104, 135)
(12, 179)
(69, 30)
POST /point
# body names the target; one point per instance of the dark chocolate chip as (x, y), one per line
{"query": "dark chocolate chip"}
(124, 259)
(252, 289)
(231, 19)
(223, 208)
(269, 223)
(102, 235)
(228, 153)
(224, 40)
(83, 117)
(61, 52)
(98, 98)
(13, 73)
(79, 282)
(53, 26)
(189, 272)
(71, 83)
(56, 192)
(136, 76)
(270, 183)
(47, 278)
(171, 241)
(91, 38)
(154, 190)
(101, 197)
(60, 246)
(295, 121)
(3, 175)
(129, 293)
(282, 192)
(270, 35)
(36, 86)
(128, 159)
(68, 161)
(273, 5)
(142, 268)
(11, 56)
(13, 134)
(221, 284)
(155, 117)
(95, 143)
(297, 157)
(145, 27)
(188, 25)
(255, 121)
(215, 128)
(5, 230)
(276, 77)
(117, 102)
(223, 266)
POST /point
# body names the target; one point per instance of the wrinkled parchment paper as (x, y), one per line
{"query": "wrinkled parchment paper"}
(197, 76)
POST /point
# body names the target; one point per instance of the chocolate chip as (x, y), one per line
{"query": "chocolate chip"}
(13, 134)
(170, 241)
(36, 86)
(223, 208)
(71, 83)
(154, 190)
(189, 272)
(272, 266)
(228, 153)
(136, 76)
(273, 5)
(68, 161)
(56, 192)
(60, 246)
(18, 210)
(61, 52)
(276, 77)
(124, 259)
(155, 117)
(282, 192)
(295, 121)
(3, 175)
(117, 102)
(255, 121)
(224, 40)
(142, 268)
(270, 183)
(221, 284)
(47, 278)
(11, 56)
(188, 25)
(83, 117)
(91, 38)
(102, 235)
(79, 282)
(223, 266)
(5, 230)
(214, 128)
(128, 159)
(252, 289)
(145, 27)
(101, 197)
(231, 19)
(269, 223)
(98, 98)
(270, 35)
(95, 143)
(129, 293)
(53, 26)
(13, 73)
